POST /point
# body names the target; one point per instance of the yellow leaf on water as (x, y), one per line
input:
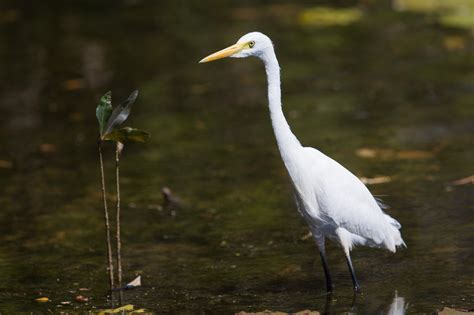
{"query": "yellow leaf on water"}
(267, 312)
(123, 309)
(128, 307)
(366, 153)
(42, 299)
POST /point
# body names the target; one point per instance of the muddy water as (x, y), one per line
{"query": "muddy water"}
(388, 93)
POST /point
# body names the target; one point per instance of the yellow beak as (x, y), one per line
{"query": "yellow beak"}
(226, 52)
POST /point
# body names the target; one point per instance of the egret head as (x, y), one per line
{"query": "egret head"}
(251, 44)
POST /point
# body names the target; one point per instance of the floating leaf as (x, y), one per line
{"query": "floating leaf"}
(42, 299)
(127, 134)
(104, 110)
(123, 309)
(307, 236)
(267, 312)
(81, 298)
(135, 283)
(389, 154)
(366, 153)
(464, 181)
(121, 112)
(376, 180)
(452, 311)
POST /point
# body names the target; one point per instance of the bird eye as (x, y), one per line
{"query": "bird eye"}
(251, 44)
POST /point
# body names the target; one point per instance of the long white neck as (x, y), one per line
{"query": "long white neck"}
(286, 140)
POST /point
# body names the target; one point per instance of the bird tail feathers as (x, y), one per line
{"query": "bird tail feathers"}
(393, 222)
(394, 239)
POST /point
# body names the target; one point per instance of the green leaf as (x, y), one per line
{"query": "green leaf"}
(127, 134)
(103, 111)
(121, 112)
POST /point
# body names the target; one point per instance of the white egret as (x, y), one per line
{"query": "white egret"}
(333, 201)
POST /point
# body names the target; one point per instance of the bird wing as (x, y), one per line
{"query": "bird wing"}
(342, 198)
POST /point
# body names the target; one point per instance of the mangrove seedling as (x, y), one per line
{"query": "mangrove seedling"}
(109, 121)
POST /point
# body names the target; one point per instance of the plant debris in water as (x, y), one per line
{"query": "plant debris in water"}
(266, 312)
(42, 299)
(457, 311)
(126, 309)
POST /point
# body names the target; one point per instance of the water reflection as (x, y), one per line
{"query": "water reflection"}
(398, 306)
(365, 305)
(359, 305)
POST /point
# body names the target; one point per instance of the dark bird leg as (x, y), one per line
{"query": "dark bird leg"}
(322, 253)
(329, 285)
(329, 305)
(351, 269)
(353, 309)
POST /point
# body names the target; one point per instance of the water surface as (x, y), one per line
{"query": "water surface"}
(388, 93)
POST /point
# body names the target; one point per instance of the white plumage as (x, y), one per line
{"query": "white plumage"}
(333, 201)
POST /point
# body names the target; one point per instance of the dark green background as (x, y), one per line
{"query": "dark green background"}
(394, 80)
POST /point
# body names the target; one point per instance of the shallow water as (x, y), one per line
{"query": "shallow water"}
(389, 95)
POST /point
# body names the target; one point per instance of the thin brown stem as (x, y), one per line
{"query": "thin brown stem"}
(106, 217)
(118, 150)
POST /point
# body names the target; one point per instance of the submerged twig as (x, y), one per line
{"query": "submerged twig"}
(106, 218)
